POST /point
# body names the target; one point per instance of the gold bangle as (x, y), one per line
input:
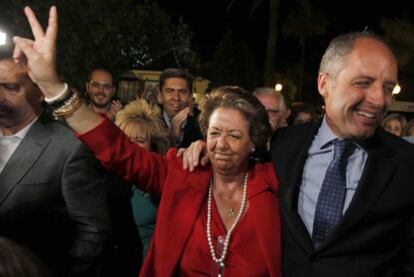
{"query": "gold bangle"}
(70, 106)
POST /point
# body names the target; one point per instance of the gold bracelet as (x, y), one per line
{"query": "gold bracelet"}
(70, 106)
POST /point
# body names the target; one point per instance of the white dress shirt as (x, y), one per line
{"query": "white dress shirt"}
(9, 144)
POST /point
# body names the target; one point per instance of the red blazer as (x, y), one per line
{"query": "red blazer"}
(183, 195)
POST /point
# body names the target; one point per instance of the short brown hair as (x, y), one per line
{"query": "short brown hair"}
(237, 98)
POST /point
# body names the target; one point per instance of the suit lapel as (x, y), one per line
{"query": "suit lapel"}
(290, 191)
(23, 159)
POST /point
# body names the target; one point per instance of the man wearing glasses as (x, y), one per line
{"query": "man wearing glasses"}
(101, 91)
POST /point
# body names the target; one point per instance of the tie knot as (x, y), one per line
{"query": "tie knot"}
(343, 149)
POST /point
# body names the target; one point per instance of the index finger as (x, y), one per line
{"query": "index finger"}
(37, 29)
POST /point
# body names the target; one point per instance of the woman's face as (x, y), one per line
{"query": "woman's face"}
(228, 140)
(142, 141)
(394, 127)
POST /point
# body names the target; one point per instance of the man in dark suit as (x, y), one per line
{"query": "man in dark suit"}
(176, 91)
(52, 195)
(373, 232)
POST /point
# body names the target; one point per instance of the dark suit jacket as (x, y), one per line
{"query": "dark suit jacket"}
(375, 236)
(191, 130)
(124, 254)
(53, 200)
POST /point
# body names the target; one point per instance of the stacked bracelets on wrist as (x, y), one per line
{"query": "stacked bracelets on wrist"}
(65, 103)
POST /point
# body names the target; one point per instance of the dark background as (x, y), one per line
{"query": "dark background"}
(344, 16)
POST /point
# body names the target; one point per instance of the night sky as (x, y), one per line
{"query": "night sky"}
(210, 19)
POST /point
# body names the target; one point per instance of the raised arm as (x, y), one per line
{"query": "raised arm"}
(40, 55)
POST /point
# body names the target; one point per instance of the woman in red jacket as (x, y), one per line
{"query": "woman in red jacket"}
(222, 219)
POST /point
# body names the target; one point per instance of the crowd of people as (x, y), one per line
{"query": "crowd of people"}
(244, 184)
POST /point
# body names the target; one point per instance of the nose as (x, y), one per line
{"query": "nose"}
(100, 88)
(175, 95)
(222, 142)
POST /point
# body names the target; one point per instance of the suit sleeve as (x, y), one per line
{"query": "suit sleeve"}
(85, 196)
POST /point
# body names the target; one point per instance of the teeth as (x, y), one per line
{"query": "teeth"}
(369, 115)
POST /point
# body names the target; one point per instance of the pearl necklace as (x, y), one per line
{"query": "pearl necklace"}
(220, 261)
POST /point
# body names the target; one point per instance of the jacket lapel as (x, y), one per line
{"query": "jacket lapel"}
(290, 190)
(188, 199)
(23, 159)
(264, 209)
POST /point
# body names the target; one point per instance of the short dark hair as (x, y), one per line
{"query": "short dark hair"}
(237, 98)
(104, 69)
(176, 73)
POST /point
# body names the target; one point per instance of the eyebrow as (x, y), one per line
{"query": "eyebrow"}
(394, 83)
(230, 131)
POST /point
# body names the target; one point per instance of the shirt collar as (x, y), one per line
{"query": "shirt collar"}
(23, 132)
(166, 119)
(325, 135)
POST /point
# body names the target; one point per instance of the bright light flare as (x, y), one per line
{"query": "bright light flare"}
(3, 37)
(397, 89)
(278, 87)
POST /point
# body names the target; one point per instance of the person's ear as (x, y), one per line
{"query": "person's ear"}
(323, 82)
(288, 112)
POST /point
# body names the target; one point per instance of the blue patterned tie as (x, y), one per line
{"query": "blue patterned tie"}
(332, 195)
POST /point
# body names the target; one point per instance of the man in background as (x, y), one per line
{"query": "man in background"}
(176, 86)
(275, 106)
(101, 90)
